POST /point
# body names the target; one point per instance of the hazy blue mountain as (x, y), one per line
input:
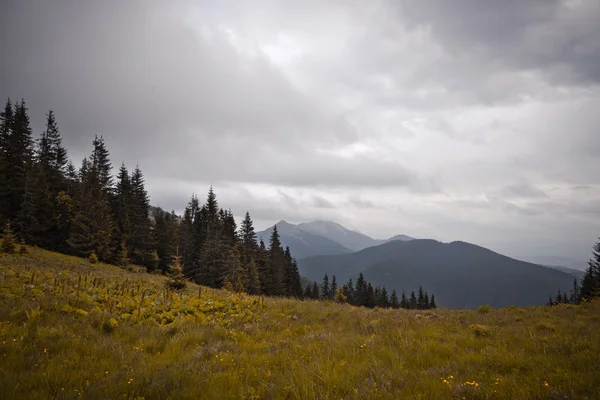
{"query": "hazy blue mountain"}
(563, 262)
(575, 272)
(352, 240)
(323, 238)
(461, 275)
(303, 244)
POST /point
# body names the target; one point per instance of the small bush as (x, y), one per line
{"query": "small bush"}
(484, 309)
(8, 239)
(110, 325)
(93, 258)
(480, 330)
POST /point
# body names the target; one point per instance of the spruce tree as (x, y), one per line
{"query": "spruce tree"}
(16, 193)
(93, 226)
(404, 301)
(307, 292)
(315, 291)
(590, 284)
(325, 288)
(421, 299)
(384, 301)
(264, 270)
(277, 263)
(176, 279)
(394, 300)
(333, 287)
(426, 301)
(248, 238)
(141, 244)
(165, 237)
(575, 293)
(412, 302)
(360, 292)
(9, 239)
(432, 304)
(370, 296)
(253, 281)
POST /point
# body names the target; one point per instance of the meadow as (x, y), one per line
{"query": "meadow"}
(70, 329)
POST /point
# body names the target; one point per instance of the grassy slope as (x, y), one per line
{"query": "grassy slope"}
(57, 340)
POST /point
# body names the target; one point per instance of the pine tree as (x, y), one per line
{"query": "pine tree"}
(384, 301)
(307, 292)
(9, 239)
(350, 291)
(277, 263)
(325, 288)
(559, 298)
(253, 285)
(404, 301)
(370, 296)
(426, 301)
(394, 300)
(141, 244)
(166, 234)
(15, 194)
(333, 287)
(93, 226)
(248, 238)
(575, 293)
(421, 299)
(550, 302)
(264, 270)
(360, 292)
(432, 304)
(177, 279)
(590, 284)
(412, 302)
(315, 291)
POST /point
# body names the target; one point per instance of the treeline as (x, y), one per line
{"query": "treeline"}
(46, 201)
(590, 284)
(364, 294)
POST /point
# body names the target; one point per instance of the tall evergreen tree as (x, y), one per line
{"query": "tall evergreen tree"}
(93, 226)
(394, 303)
(590, 284)
(421, 299)
(325, 288)
(432, 304)
(141, 229)
(315, 291)
(333, 287)
(575, 293)
(412, 302)
(360, 292)
(16, 190)
(404, 301)
(277, 263)
(248, 238)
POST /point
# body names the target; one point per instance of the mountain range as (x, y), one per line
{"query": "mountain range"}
(460, 274)
(322, 238)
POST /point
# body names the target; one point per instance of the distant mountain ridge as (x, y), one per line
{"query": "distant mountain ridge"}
(460, 274)
(322, 238)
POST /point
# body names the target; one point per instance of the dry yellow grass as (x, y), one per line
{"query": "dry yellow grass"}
(73, 330)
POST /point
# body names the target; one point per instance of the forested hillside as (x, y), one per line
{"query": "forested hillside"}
(46, 201)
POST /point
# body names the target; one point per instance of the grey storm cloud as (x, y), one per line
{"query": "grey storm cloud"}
(392, 117)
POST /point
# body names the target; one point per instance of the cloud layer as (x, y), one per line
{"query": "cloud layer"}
(469, 120)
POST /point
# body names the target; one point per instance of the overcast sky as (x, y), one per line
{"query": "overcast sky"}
(455, 120)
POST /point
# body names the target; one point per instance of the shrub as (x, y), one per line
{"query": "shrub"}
(480, 330)
(93, 258)
(177, 279)
(8, 239)
(340, 297)
(484, 309)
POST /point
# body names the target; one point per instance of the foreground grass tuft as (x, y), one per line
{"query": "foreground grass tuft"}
(70, 329)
